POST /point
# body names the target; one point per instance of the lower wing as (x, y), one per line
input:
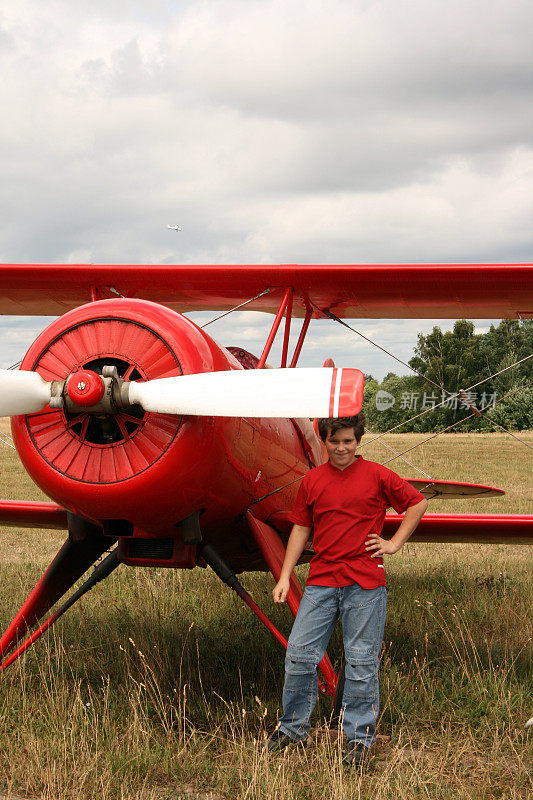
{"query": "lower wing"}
(482, 528)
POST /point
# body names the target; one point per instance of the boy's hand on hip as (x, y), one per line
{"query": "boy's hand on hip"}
(280, 590)
(380, 546)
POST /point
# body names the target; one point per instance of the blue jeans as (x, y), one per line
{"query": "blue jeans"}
(362, 613)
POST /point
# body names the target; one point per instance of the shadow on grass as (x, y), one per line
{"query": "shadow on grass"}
(206, 640)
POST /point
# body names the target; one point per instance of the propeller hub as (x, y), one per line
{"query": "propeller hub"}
(85, 388)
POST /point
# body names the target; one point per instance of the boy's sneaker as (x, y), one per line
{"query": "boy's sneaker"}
(354, 753)
(280, 740)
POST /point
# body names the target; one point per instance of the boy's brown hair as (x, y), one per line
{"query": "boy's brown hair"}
(334, 424)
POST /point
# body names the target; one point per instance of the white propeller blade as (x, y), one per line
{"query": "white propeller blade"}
(22, 392)
(255, 393)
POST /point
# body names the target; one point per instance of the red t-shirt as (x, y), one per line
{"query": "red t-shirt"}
(344, 507)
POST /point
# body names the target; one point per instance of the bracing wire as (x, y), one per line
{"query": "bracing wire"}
(399, 360)
(6, 440)
(459, 422)
(452, 395)
(246, 302)
(420, 374)
(438, 386)
(399, 455)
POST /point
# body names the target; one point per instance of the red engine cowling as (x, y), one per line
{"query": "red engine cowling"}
(150, 469)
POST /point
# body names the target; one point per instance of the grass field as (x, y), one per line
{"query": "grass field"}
(161, 684)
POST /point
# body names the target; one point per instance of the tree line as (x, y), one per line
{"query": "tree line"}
(458, 360)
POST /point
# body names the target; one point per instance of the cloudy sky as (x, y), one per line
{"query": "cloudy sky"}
(274, 131)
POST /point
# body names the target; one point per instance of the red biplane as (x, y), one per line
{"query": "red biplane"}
(157, 443)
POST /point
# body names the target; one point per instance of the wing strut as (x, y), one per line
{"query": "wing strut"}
(286, 304)
(226, 574)
(301, 338)
(285, 307)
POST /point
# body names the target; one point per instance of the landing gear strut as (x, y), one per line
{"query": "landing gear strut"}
(83, 548)
(225, 573)
(273, 552)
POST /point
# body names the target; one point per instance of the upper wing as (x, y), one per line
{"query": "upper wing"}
(386, 291)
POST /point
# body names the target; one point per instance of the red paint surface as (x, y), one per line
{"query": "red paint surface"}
(301, 337)
(287, 298)
(32, 514)
(260, 614)
(287, 332)
(351, 392)
(489, 528)
(29, 641)
(354, 290)
(85, 388)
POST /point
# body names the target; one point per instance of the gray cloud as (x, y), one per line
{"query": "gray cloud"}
(312, 132)
(249, 329)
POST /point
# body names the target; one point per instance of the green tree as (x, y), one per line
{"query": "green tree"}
(451, 359)
(457, 360)
(516, 411)
(501, 346)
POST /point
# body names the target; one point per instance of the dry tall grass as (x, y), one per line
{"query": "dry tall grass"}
(160, 684)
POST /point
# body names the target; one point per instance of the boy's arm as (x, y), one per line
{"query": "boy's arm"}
(295, 545)
(411, 518)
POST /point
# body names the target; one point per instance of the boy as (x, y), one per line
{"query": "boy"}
(344, 501)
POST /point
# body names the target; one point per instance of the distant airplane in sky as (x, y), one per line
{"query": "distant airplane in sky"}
(174, 227)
